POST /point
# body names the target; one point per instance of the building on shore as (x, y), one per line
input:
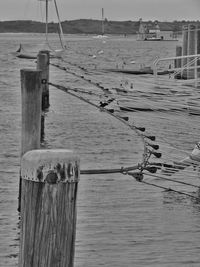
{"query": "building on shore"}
(153, 33)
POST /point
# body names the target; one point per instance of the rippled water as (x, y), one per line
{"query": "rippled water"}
(120, 222)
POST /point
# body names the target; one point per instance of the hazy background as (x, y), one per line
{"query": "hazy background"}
(163, 10)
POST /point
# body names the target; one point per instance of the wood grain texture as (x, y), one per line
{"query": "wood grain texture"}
(31, 96)
(185, 49)
(192, 44)
(48, 210)
(43, 65)
(198, 51)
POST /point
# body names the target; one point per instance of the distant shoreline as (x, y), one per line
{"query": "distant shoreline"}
(88, 26)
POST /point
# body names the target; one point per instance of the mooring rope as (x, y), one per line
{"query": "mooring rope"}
(148, 152)
(124, 120)
(106, 91)
(110, 112)
(182, 107)
(139, 178)
(104, 171)
(171, 180)
(170, 169)
(144, 166)
(170, 189)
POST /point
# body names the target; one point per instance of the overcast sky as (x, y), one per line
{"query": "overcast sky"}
(163, 10)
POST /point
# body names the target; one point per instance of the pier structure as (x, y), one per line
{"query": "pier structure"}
(49, 177)
(185, 64)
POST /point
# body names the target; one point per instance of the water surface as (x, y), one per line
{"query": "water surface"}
(120, 221)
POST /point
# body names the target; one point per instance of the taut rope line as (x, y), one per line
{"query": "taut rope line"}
(145, 165)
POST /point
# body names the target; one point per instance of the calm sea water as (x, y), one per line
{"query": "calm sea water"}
(120, 221)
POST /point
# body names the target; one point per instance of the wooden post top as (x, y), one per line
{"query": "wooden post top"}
(50, 166)
(29, 70)
(44, 51)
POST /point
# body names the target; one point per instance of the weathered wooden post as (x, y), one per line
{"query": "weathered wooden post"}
(48, 212)
(31, 97)
(43, 65)
(184, 50)
(198, 51)
(177, 62)
(191, 51)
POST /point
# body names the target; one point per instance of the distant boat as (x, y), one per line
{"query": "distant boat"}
(53, 52)
(102, 35)
(153, 39)
(20, 53)
(158, 39)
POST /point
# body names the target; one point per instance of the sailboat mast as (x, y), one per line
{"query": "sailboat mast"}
(102, 21)
(60, 26)
(46, 30)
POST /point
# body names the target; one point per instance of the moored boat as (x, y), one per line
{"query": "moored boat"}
(20, 53)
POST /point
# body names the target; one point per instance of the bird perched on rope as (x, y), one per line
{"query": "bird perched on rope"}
(111, 104)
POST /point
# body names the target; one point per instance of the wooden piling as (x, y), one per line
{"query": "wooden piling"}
(31, 97)
(177, 62)
(191, 50)
(198, 50)
(43, 65)
(184, 50)
(48, 213)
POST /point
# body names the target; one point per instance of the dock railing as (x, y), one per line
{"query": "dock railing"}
(186, 64)
(189, 72)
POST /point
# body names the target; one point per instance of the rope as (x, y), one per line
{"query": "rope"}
(67, 90)
(173, 168)
(126, 170)
(146, 155)
(183, 107)
(147, 152)
(104, 171)
(106, 91)
(162, 187)
(170, 189)
(171, 180)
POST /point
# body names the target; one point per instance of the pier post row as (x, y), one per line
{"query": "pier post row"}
(191, 46)
(48, 208)
(48, 187)
(189, 51)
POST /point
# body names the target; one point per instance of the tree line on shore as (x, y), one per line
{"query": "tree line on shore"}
(89, 26)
